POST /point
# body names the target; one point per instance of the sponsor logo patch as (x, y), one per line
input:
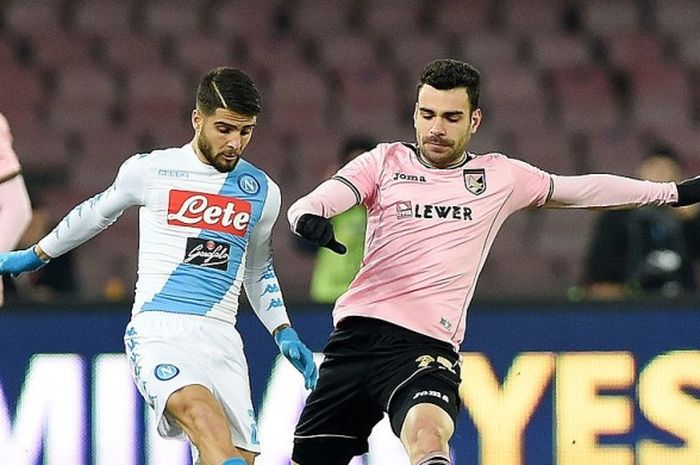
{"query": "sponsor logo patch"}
(166, 371)
(402, 177)
(209, 211)
(208, 253)
(433, 212)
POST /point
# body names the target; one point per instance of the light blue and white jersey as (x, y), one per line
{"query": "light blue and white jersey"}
(203, 234)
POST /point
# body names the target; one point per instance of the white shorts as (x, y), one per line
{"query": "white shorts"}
(167, 351)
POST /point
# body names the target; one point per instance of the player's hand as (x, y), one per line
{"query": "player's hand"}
(298, 354)
(20, 261)
(319, 230)
(688, 192)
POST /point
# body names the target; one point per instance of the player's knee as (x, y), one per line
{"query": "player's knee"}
(196, 413)
(426, 430)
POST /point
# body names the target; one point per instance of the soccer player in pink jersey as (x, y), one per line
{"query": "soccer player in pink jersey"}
(15, 208)
(434, 209)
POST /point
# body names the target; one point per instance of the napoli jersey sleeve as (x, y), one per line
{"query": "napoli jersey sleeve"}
(260, 281)
(97, 213)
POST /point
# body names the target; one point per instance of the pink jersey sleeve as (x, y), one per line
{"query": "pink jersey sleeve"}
(362, 173)
(606, 190)
(9, 165)
(354, 183)
(531, 186)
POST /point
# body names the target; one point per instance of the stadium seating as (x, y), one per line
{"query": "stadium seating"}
(569, 86)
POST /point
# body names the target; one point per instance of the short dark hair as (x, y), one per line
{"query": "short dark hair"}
(228, 88)
(446, 74)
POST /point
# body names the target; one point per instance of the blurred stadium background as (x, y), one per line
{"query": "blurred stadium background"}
(571, 86)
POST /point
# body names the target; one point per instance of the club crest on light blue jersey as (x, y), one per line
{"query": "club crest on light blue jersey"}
(166, 371)
(248, 184)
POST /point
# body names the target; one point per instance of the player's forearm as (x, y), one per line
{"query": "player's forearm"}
(609, 191)
(328, 199)
(265, 296)
(84, 222)
(15, 212)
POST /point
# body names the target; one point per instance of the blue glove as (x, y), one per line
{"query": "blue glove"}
(20, 261)
(298, 354)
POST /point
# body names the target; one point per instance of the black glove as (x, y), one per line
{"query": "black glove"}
(688, 192)
(319, 230)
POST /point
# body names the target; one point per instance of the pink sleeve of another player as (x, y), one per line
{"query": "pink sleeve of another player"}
(606, 190)
(9, 165)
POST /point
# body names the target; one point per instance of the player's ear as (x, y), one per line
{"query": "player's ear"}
(415, 116)
(196, 120)
(476, 117)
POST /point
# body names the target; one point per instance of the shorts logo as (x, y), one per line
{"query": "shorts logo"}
(439, 362)
(475, 180)
(248, 184)
(207, 253)
(166, 371)
(437, 394)
(209, 211)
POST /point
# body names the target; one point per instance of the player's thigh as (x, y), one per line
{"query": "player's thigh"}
(229, 372)
(164, 359)
(431, 400)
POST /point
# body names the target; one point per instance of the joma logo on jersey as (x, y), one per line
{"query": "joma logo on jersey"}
(452, 212)
(408, 177)
(209, 211)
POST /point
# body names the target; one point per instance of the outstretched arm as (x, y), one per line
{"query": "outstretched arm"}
(83, 222)
(610, 191)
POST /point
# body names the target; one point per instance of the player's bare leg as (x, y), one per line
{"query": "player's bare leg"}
(425, 433)
(202, 418)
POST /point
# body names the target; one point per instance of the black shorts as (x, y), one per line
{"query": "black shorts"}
(372, 367)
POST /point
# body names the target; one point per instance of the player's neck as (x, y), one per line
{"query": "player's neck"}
(458, 162)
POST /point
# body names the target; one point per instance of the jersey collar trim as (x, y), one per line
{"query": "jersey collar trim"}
(461, 162)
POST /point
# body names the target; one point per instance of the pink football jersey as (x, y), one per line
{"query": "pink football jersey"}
(428, 233)
(429, 230)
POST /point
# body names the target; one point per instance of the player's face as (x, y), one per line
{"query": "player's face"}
(444, 124)
(221, 137)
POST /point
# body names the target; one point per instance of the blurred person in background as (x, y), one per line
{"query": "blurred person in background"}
(433, 212)
(333, 273)
(649, 251)
(206, 218)
(15, 207)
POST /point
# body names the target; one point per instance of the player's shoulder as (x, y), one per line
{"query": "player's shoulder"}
(246, 169)
(497, 158)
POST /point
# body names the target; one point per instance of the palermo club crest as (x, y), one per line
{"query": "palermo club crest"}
(475, 180)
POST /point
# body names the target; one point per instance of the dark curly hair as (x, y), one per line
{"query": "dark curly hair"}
(228, 88)
(446, 73)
